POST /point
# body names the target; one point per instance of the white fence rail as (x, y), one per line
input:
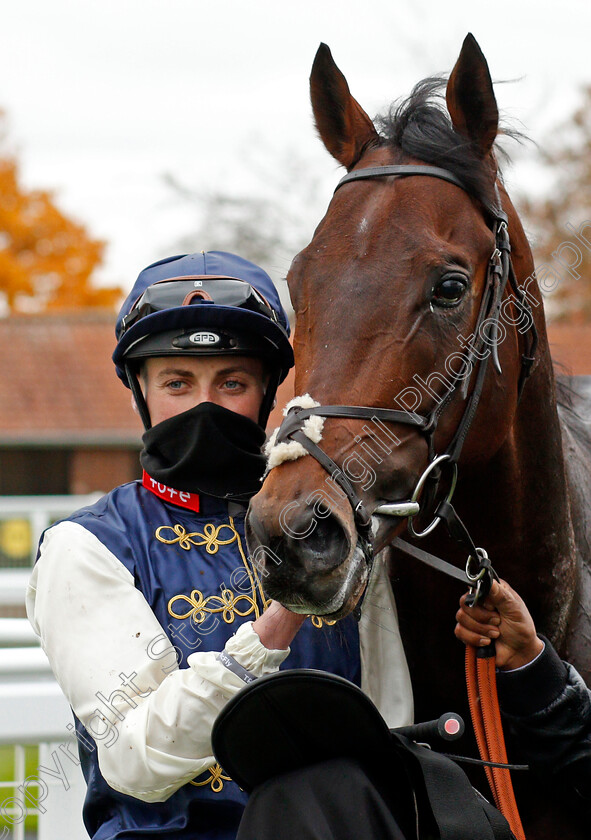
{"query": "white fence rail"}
(17, 632)
(42, 791)
(33, 711)
(13, 585)
(43, 803)
(29, 517)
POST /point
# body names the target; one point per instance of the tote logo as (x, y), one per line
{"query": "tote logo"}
(204, 339)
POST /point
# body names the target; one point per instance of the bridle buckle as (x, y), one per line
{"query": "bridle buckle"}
(480, 580)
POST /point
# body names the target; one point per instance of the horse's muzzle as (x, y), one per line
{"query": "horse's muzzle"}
(313, 566)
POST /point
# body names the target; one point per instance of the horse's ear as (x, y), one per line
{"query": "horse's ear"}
(342, 123)
(470, 98)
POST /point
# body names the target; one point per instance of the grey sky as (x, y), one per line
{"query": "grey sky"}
(104, 96)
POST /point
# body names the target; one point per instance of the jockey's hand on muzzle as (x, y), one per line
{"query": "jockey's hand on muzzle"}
(277, 627)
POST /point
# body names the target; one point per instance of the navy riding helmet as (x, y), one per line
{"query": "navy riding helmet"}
(205, 304)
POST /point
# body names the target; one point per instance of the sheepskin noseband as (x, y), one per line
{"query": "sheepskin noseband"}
(291, 450)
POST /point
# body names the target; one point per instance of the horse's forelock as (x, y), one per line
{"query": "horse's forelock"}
(420, 126)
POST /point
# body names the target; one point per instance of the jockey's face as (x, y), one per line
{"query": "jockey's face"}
(173, 384)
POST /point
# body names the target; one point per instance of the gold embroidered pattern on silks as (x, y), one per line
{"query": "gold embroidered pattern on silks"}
(226, 603)
(210, 537)
(215, 779)
(197, 606)
(230, 604)
(319, 621)
(250, 601)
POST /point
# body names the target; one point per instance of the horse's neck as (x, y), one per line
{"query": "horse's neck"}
(520, 502)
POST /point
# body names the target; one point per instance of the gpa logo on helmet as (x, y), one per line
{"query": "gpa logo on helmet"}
(204, 339)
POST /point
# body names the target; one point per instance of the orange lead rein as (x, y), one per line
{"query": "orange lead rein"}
(481, 683)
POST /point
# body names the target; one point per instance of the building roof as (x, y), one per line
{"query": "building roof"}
(570, 346)
(58, 384)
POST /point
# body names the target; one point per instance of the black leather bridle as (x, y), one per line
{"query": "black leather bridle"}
(500, 274)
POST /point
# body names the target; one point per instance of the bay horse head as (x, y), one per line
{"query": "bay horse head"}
(411, 302)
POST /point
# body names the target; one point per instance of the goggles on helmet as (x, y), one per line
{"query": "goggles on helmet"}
(203, 314)
(198, 290)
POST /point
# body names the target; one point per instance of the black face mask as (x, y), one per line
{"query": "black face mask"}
(207, 449)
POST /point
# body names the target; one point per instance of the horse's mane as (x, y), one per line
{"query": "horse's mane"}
(573, 396)
(420, 126)
(564, 386)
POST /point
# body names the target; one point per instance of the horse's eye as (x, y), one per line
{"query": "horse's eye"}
(450, 290)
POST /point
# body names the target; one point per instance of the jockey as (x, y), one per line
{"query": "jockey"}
(147, 603)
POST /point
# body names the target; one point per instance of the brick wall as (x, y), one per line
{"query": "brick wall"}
(101, 469)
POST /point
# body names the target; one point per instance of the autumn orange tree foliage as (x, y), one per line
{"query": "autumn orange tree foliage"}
(46, 259)
(565, 211)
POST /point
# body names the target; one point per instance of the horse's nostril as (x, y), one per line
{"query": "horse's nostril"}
(309, 547)
(324, 548)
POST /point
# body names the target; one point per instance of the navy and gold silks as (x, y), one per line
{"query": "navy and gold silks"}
(194, 572)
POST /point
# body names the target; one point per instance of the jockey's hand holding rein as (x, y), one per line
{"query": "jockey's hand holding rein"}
(504, 619)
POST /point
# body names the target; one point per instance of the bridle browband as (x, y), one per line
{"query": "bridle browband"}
(500, 274)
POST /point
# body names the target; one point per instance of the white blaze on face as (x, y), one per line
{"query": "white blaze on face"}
(371, 212)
